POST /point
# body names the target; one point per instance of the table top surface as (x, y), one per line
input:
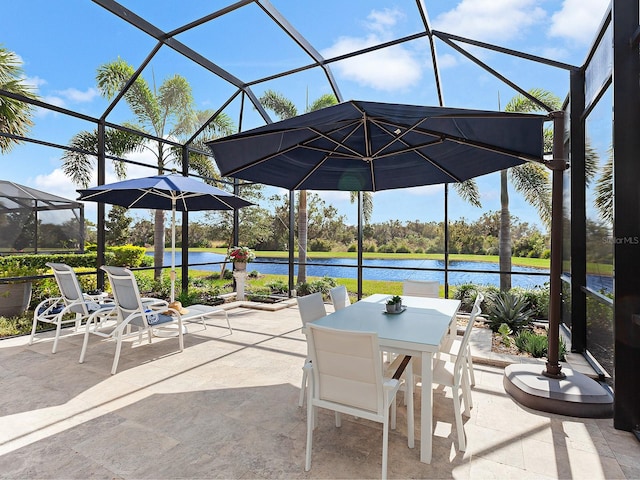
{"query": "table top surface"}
(421, 327)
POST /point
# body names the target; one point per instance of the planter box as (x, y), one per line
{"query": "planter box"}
(14, 298)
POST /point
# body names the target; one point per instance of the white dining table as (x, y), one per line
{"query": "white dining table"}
(418, 331)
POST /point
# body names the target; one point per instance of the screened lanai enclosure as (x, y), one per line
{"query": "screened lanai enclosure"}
(234, 82)
(33, 221)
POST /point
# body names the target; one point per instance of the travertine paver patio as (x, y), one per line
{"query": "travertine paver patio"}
(227, 408)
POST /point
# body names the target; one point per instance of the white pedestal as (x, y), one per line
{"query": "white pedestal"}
(241, 279)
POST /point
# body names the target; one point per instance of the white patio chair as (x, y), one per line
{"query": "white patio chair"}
(421, 288)
(339, 297)
(311, 308)
(347, 378)
(133, 313)
(72, 307)
(453, 374)
(452, 345)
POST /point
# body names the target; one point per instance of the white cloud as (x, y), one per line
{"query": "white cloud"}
(77, 96)
(447, 60)
(578, 20)
(394, 68)
(55, 100)
(381, 21)
(34, 82)
(490, 20)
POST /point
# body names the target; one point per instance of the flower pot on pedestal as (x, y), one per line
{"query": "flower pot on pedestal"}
(240, 266)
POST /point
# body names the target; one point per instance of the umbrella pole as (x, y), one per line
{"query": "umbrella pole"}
(173, 249)
(558, 165)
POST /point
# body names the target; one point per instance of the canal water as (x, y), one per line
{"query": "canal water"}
(395, 270)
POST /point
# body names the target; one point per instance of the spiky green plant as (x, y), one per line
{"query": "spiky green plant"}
(510, 309)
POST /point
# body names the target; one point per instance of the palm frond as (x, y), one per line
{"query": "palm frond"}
(15, 116)
(325, 100)
(468, 191)
(604, 191)
(279, 104)
(532, 181)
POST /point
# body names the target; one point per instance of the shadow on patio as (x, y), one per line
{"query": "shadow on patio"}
(227, 408)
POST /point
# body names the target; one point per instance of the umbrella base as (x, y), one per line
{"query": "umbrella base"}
(576, 394)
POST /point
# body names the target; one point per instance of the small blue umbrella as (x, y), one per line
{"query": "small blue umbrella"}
(165, 192)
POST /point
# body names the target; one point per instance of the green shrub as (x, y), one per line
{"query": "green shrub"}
(320, 245)
(322, 285)
(403, 249)
(277, 286)
(418, 250)
(127, 256)
(538, 345)
(39, 261)
(352, 248)
(510, 309)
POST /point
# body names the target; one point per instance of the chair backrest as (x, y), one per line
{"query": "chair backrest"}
(69, 286)
(311, 308)
(339, 297)
(421, 288)
(462, 351)
(125, 293)
(346, 368)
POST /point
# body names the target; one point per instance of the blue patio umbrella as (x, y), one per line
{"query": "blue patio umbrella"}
(165, 192)
(373, 146)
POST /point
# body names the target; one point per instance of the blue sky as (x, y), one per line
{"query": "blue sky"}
(63, 43)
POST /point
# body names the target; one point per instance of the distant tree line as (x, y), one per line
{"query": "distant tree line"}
(268, 229)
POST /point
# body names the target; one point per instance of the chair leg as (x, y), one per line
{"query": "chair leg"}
(409, 399)
(394, 413)
(385, 446)
(457, 411)
(33, 329)
(85, 343)
(338, 419)
(472, 377)
(55, 340)
(310, 427)
(466, 392)
(180, 335)
(117, 354)
(303, 388)
(226, 315)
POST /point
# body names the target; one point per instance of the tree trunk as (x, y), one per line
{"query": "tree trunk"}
(505, 234)
(302, 237)
(158, 243)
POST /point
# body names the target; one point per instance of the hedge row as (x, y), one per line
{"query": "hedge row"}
(128, 255)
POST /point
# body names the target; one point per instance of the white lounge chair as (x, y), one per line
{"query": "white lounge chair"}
(71, 307)
(133, 313)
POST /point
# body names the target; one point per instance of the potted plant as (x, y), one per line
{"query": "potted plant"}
(15, 295)
(394, 304)
(240, 256)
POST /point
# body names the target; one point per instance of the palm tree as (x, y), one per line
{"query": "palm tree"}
(167, 112)
(530, 179)
(15, 116)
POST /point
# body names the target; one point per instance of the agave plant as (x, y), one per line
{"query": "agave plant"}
(509, 309)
